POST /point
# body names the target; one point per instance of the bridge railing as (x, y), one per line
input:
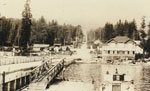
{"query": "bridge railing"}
(40, 70)
(55, 70)
(47, 69)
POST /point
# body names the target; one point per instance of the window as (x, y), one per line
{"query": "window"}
(114, 77)
(117, 52)
(128, 52)
(113, 52)
(118, 77)
(121, 77)
(133, 52)
(108, 52)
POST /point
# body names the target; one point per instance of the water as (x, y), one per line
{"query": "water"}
(79, 74)
(78, 77)
(143, 83)
(83, 72)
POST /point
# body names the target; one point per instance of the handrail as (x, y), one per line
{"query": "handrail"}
(38, 74)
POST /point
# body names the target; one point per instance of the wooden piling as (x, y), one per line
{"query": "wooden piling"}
(3, 81)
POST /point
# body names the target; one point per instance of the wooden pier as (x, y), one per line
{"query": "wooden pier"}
(35, 79)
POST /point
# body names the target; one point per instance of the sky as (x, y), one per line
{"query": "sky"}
(90, 14)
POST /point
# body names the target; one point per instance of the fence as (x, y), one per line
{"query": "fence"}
(18, 59)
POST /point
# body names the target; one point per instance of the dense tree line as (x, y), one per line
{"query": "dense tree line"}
(27, 31)
(42, 32)
(9, 30)
(109, 31)
(52, 32)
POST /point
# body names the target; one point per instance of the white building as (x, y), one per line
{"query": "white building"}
(120, 47)
(39, 47)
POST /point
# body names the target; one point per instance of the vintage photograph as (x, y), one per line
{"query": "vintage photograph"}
(74, 45)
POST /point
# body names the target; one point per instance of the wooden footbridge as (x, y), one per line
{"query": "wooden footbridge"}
(43, 75)
(37, 79)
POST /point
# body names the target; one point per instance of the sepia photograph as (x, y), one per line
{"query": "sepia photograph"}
(74, 45)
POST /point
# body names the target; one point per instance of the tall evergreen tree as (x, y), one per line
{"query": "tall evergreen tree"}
(143, 35)
(148, 40)
(26, 26)
(148, 33)
(119, 29)
(108, 31)
(132, 29)
(126, 28)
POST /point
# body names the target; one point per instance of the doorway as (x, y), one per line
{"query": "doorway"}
(116, 87)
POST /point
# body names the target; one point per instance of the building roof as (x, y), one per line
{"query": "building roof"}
(40, 45)
(57, 43)
(120, 39)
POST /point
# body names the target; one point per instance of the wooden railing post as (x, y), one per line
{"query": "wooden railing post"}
(3, 81)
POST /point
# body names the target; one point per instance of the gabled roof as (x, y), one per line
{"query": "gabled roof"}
(120, 39)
